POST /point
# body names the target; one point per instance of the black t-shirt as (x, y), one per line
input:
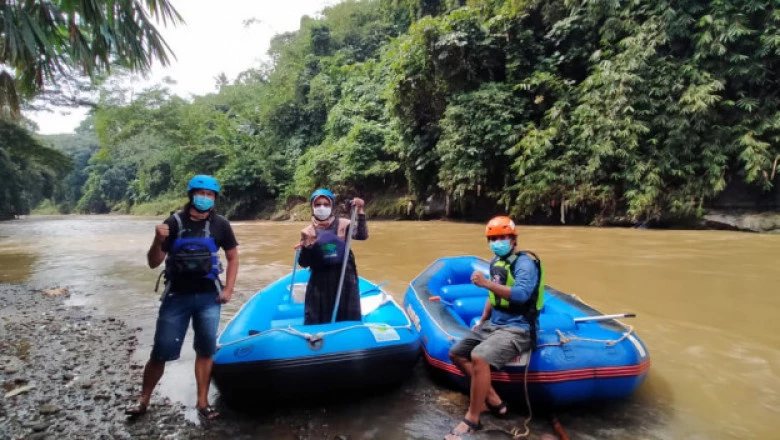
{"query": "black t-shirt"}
(220, 229)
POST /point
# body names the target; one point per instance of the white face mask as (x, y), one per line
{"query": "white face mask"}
(322, 212)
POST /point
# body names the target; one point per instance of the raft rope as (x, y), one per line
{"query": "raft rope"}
(565, 339)
(516, 433)
(314, 337)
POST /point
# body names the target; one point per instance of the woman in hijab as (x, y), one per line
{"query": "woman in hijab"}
(323, 248)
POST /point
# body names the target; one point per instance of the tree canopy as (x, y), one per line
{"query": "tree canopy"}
(600, 110)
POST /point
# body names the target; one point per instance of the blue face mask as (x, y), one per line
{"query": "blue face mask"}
(501, 247)
(202, 203)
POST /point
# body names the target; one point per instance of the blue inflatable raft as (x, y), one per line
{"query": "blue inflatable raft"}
(266, 353)
(581, 355)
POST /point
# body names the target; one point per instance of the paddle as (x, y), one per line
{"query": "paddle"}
(352, 218)
(295, 266)
(599, 318)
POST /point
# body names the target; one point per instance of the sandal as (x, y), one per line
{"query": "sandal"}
(472, 428)
(137, 409)
(499, 410)
(208, 412)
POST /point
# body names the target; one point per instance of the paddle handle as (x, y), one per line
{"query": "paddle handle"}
(352, 219)
(295, 267)
(599, 318)
(438, 299)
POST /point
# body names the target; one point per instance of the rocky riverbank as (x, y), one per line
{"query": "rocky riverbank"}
(66, 373)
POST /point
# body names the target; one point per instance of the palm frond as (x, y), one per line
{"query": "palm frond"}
(41, 39)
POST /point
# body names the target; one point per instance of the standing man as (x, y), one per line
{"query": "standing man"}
(191, 238)
(507, 327)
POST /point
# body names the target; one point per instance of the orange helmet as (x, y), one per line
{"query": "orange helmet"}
(500, 225)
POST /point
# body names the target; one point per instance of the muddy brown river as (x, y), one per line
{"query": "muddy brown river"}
(707, 305)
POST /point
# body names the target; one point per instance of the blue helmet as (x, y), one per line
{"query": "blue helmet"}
(322, 192)
(202, 181)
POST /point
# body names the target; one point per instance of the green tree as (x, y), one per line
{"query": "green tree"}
(80, 147)
(473, 151)
(28, 168)
(603, 111)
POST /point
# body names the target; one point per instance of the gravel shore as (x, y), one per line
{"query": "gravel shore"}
(67, 373)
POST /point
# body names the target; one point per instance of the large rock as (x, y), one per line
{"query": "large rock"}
(754, 222)
(435, 205)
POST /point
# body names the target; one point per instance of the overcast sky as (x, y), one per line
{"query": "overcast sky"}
(213, 40)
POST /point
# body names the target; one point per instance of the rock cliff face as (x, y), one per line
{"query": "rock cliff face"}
(754, 222)
(745, 207)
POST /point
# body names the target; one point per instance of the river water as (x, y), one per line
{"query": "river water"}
(707, 306)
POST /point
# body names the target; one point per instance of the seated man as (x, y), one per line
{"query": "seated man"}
(507, 326)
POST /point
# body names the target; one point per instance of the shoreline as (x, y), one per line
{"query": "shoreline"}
(716, 220)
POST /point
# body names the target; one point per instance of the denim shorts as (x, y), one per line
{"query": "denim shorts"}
(496, 344)
(174, 318)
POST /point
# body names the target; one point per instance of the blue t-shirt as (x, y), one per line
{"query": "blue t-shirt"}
(526, 276)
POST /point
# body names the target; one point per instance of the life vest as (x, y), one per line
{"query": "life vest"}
(193, 257)
(329, 248)
(501, 272)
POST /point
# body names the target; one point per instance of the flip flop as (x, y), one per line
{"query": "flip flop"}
(499, 410)
(137, 409)
(472, 428)
(208, 412)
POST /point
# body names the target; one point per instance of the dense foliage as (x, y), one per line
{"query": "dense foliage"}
(583, 110)
(30, 171)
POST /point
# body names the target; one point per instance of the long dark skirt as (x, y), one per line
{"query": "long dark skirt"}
(321, 294)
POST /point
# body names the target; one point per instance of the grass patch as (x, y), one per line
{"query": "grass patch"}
(158, 207)
(301, 211)
(391, 206)
(47, 207)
